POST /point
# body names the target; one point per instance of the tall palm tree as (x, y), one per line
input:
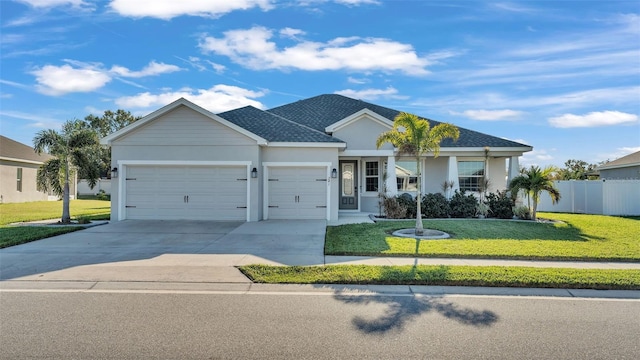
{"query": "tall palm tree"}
(414, 136)
(75, 149)
(534, 181)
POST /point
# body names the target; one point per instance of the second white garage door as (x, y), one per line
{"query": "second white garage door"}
(186, 192)
(297, 193)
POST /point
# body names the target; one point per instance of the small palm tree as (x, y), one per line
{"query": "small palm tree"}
(414, 136)
(534, 181)
(75, 149)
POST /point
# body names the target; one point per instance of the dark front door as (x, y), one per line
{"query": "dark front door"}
(348, 185)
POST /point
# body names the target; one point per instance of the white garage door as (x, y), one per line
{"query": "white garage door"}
(186, 192)
(297, 193)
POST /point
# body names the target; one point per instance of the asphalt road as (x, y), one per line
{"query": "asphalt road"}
(147, 325)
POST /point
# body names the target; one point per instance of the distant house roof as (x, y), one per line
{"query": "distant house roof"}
(321, 111)
(16, 151)
(274, 128)
(625, 161)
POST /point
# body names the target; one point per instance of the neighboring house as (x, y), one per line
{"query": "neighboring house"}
(310, 159)
(19, 165)
(624, 168)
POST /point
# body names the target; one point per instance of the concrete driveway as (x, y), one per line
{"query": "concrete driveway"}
(165, 251)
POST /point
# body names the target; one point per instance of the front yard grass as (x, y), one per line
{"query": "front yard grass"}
(576, 237)
(44, 210)
(447, 276)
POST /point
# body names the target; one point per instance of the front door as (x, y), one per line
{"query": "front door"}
(348, 185)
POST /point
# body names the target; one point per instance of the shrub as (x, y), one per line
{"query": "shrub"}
(409, 204)
(501, 205)
(435, 206)
(102, 195)
(393, 208)
(463, 205)
(522, 212)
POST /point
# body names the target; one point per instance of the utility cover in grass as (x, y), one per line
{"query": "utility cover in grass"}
(427, 234)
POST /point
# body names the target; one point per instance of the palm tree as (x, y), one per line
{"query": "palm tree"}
(75, 149)
(534, 181)
(414, 136)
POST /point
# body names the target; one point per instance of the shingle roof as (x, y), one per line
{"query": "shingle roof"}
(632, 159)
(274, 128)
(321, 111)
(15, 150)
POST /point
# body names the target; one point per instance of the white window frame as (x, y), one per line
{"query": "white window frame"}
(365, 176)
(484, 167)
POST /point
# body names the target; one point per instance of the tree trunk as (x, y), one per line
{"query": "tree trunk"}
(534, 208)
(419, 228)
(66, 216)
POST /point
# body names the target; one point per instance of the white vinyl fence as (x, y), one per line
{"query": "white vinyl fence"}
(103, 184)
(605, 197)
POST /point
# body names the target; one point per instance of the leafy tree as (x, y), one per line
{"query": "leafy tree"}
(414, 136)
(104, 125)
(534, 181)
(575, 170)
(75, 149)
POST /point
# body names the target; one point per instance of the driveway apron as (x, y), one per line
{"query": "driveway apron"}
(165, 251)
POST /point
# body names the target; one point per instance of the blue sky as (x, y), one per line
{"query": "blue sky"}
(562, 76)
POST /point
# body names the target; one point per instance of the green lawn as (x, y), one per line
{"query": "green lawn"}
(43, 210)
(447, 276)
(576, 237)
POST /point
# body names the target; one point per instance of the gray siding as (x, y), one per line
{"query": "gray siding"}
(631, 172)
(184, 126)
(362, 134)
(8, 179)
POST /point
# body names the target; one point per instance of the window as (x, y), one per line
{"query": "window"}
(19, 180)
(371, 176)
(470, 174)
(406, 176)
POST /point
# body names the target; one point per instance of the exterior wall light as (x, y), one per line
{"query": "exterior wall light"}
(334, 173)
(114, 173)
(254, 173)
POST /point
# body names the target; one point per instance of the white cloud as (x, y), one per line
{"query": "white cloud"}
(37, 121)
(353, 80)
(491, 115)
(372, 94)
(168, 9)
(54, 3)
(538, 157)
(357, 2)
(77, 76)
(152, 69)
(291, 33)
(216, 99)
(593, 119)
(254, 49)
(59, 80)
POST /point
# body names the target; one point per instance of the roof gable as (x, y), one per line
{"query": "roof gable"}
(107, 140)
(364, 113)
(16, 151)
(632, 159)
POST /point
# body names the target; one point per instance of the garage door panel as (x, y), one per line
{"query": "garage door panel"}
(186, 192)
(297, 193)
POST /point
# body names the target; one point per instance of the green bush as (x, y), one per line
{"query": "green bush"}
(102, 195)
(409, 203)
(463, 205)
(522, 212)
(435, 206)
(501, 205)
